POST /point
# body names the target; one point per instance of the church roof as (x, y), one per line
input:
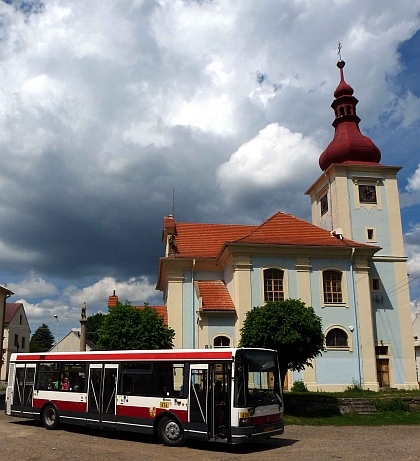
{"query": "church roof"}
(195, 240)
(215, 296)
(286, 229)
(206, 240)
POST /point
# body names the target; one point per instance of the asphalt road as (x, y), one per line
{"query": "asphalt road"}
(28, 440)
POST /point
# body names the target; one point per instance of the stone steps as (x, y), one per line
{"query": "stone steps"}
(360, 406)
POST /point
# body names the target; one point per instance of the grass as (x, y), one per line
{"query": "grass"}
(353, 419)
(358, 393)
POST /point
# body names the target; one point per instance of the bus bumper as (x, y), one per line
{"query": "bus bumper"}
(249, 433)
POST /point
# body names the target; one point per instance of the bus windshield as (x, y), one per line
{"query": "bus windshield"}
(257, 379)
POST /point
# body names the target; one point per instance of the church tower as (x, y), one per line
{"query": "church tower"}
(357, 198)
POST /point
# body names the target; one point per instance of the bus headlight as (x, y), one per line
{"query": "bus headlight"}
(245, 422)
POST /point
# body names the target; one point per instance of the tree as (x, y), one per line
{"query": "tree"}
(42, 340)
(289, 327)
(127, 327)
(93, 323)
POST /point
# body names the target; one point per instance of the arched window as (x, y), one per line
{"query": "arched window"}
(273, 285)
(221, 341)
(338, 338)
(348, 110)
(341, 111)
(332, 287)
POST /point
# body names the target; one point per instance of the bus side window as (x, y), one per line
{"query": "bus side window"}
(48, 374)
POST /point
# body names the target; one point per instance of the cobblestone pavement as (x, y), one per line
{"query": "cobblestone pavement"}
(28, 440)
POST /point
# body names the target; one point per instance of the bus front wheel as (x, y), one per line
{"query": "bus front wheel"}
(50, 418)
(170, 432)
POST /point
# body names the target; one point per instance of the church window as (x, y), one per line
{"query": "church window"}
(376, 284)
(367, 193)
(273, 285)
(337, 339)
(332, 287)
(324, 204)
(221, 341)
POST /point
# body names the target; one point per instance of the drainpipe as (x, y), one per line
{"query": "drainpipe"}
(193, 337)
(356, 318)
(6, 295)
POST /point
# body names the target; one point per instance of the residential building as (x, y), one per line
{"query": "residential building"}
(348, 264)
(71, 343)
(16, 335)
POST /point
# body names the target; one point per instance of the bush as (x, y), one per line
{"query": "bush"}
(395, 404)
(299, 386)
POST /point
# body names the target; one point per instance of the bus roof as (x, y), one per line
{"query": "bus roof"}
(116, 356)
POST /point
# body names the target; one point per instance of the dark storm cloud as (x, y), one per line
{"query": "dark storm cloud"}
(107, 106)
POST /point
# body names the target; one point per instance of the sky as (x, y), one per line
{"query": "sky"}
(109, 108)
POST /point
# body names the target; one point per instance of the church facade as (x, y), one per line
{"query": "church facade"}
(348, 264)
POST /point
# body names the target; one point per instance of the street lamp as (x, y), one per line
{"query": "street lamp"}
(56, 336)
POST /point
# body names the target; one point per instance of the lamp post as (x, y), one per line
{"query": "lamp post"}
(56, 336)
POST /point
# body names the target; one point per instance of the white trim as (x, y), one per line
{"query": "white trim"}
(344, 292)
(285, 281)
(349, 346)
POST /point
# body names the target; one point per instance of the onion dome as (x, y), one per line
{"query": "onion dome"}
(348, 144)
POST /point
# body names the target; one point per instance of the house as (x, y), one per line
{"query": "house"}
(71, 342)
(161, 310)
(16, 334)
(348, 264)
(4, 294)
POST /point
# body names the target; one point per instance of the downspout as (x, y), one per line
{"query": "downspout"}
(193, 342)
(7, 295)
(356, 318)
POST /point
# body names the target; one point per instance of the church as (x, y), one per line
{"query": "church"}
(348, 264)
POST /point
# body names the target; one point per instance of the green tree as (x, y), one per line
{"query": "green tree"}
(42, 340)
(289, 327)
(93, 323)
(127, 327)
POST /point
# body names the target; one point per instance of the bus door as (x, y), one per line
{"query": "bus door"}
(220, 377)
(198, 401)
(102, 396)
(23, 389)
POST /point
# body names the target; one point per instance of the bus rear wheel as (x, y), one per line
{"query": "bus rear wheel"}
(50, 417)
(170, 432)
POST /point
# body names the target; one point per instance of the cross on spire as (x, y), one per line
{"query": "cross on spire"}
(339, 50)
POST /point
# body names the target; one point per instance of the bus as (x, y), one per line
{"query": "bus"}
(230, 395)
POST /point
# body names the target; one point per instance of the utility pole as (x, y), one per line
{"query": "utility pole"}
(83, 322)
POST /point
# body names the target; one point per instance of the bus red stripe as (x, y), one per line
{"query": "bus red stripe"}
(258, 420)
(144, 412)
(63, 405)
(116, 356)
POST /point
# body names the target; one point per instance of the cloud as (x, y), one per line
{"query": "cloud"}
(270, 162)
(406, 110)
(105, 107)
(135, 290)
(34, 287)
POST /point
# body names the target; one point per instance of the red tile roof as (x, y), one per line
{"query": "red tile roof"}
(10, 312)
(215, 296)
(161, 310)
(205, 240)
(286, 229)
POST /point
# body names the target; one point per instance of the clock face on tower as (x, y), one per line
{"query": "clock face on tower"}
(367, 194)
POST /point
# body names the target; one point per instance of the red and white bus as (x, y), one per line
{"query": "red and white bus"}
(230, 395)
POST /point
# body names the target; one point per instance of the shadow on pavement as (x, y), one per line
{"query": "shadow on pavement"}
(243, 448)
